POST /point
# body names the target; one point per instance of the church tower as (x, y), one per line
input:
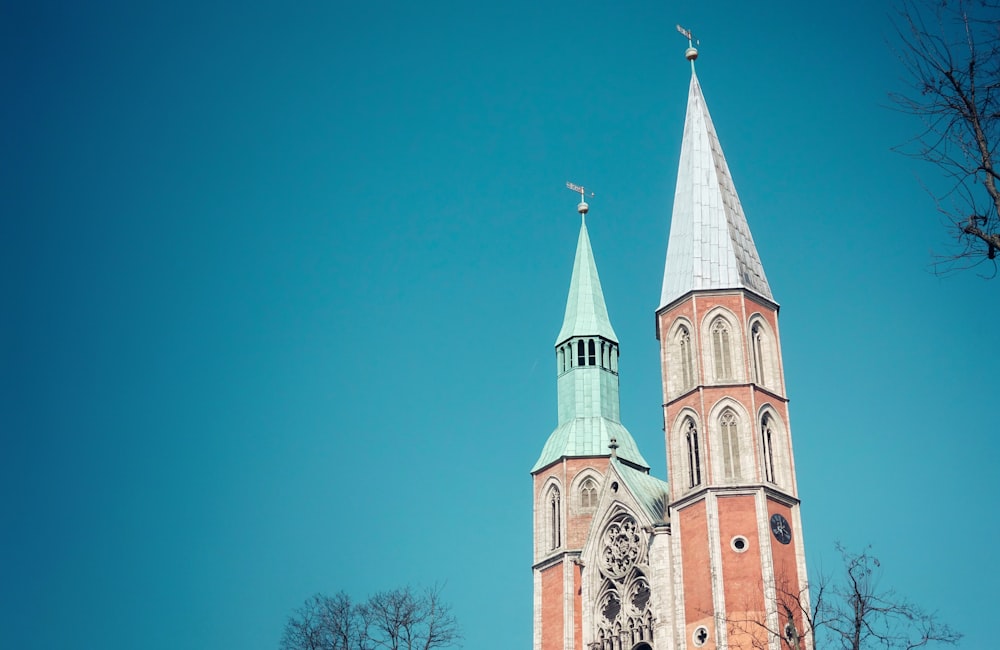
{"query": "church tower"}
(739, 559)
(570, 473)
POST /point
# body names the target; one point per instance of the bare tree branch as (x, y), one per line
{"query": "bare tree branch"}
(850, 611)
(400, 619)
(950, 52)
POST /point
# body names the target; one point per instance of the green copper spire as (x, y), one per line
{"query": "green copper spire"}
(587, 372)
(586, 313)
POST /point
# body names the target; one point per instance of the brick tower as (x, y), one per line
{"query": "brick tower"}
(571, 473)
(739, 558)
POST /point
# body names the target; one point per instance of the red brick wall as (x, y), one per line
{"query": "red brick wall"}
(552, 608)
(786, 572)
(698, 606)
(743, 585)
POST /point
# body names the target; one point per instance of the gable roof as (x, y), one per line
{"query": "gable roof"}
(650, 492)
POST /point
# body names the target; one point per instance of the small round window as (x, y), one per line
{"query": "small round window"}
(739, 544)
(700, 636)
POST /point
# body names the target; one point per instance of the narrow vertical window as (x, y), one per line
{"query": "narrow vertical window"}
(767, 444)
(581, 357)
(562, 360)
(687, 366)
(694, 455)
(555, 522)
(588, 494)
(591, 353)
(729, 424)
(721, 351)
(757, 353)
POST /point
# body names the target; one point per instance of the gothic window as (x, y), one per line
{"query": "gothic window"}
(687, 365)
(581, 357)
(757, 354)
(729, 424)
(588, 493)
(591, 354)
(623, 616)
(722, 353)
(767, 444)
(555, 518)
(562, 360)
(693, 453)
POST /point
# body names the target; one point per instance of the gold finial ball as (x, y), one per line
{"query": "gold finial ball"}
(583, 207)
(691, 54)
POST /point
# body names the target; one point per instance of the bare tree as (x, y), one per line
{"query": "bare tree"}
(401, 619)
(850, 611)
(950, 51)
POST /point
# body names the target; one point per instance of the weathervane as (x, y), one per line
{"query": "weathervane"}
(691, 53)
(583, 207)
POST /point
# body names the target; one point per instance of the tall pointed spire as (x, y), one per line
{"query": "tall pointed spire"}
(586, 312)
(587, 369)
(710, 245)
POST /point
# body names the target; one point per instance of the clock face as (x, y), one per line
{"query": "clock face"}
(780, 529)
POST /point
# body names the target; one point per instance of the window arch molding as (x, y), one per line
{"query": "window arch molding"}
(577, 486)
(682, 364)
(711, 353)
(551, 516)
(763, 346)
(741, 448)
(680, 469)
(777, 452)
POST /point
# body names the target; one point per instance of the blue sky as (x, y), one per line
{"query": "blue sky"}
(281, 284)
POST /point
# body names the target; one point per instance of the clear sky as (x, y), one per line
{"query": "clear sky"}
(281, 283)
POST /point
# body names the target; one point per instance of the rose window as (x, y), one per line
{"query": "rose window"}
(622, 546)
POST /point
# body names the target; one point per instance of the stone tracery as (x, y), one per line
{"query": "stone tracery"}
(623, 613)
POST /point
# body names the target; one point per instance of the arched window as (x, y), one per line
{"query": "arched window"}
(686, 358)
(591, 353)
(555, 518)
(757, 354)
(767, 445)
(562, 360)
(722, 353)
(729, 424)
(581, 357)
(588, 493)
(693, 453)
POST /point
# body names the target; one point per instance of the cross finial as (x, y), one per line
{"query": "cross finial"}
(691, 53)
(583, 207)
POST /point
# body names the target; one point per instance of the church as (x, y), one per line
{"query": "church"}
(713, 556)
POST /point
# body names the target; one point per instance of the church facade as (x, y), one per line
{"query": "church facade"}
(713, 556)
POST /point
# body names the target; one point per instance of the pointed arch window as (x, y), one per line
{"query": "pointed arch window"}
(767, 445)
(591, 353)
(555, 518)
(729, 425)
(722, 353)
(686, 357)
(757, 343)
(693, 453)
(588, 493)
(581, 356)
